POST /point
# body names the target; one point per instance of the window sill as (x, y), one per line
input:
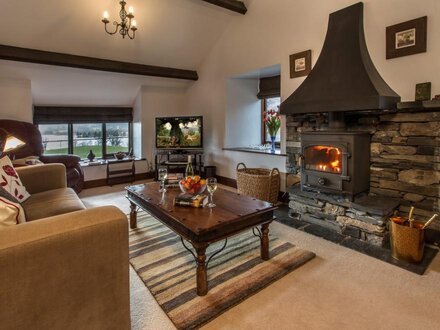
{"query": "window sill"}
(100, 161)
(257, 151)
(96, 163)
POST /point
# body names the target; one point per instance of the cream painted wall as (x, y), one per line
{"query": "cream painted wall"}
(156, 102)
(243, 106)
(137, 125)
(15, 99)
(272, 30)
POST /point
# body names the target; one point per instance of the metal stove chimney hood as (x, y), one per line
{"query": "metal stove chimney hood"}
(344, 77)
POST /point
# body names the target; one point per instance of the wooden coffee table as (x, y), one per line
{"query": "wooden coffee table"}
(201, 227)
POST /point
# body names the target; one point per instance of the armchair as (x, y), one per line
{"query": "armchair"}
(30, 134)
(66, 267)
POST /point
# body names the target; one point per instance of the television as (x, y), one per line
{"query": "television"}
(179, 132)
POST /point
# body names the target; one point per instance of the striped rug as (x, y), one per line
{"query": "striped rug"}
(168, 271)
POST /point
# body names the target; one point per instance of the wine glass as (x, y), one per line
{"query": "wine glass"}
(211, 185)
(162, 173)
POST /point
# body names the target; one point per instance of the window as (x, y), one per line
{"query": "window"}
(267, 104)
(118, 137)
(55, 138)
(269, 94)
(79, 139)
(88, 137)
(77, 130)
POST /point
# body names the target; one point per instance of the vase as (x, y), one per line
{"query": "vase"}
(272, 141)
(91, 156)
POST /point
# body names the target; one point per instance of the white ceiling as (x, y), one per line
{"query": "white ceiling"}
(172, 33)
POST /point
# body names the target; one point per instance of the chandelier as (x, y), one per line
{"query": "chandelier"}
(127, 24)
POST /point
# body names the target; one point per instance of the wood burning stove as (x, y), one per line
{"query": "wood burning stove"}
(335, 161)
(343, 79)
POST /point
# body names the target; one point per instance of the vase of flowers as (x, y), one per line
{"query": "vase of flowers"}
(272, 121)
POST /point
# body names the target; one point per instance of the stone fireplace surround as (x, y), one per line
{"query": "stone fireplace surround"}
(404, 171)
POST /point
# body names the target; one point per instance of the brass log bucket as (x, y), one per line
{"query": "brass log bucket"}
(407, 243)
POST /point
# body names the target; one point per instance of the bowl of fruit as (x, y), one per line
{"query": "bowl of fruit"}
(193, 185)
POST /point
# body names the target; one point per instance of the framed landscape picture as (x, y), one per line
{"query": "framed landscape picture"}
(406, 38)
(300, 64)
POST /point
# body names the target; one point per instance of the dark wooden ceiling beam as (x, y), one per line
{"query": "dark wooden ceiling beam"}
(234, 5)
(12, 53)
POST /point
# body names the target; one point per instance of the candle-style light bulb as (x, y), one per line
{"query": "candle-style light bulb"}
(131, 10)
(105, 15)
(133, 23)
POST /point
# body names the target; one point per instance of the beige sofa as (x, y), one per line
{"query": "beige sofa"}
(67, 268)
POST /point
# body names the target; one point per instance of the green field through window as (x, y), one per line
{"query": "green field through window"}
(84, 151)
(85, 137)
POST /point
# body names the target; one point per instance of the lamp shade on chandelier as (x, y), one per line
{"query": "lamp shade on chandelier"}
(127, 25)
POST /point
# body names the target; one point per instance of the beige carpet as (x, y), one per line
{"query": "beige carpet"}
(237, 272)
(339, 289)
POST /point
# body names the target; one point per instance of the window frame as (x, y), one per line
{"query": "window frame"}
(104, 138)
(263, 126)
(105, 155)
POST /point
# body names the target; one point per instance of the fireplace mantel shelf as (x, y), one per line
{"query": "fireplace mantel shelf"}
(256, 151)
(403, 107)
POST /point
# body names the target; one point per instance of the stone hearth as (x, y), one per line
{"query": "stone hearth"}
(404, 171)
(364, 218)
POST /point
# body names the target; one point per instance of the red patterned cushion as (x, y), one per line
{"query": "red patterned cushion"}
(10, 213)
(10, 181)
(8, 196)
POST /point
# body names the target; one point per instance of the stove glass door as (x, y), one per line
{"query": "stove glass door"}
(323, 158)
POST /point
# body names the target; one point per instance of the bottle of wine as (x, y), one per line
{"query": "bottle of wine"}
(189, 172)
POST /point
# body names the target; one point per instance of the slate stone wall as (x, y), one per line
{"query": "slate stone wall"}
(405, 154)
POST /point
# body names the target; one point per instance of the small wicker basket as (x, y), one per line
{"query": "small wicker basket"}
(260, 183)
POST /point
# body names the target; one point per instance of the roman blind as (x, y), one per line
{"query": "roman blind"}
(269, 87)
(70, 115)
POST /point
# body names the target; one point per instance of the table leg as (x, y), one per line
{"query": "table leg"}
(133, 215)
(202, 277)
(264, 250)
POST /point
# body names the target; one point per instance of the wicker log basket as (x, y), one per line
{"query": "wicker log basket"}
(260, 183)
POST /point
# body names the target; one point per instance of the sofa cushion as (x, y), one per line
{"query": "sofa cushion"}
(10, 213)
(31, 160)
(53, 202)
(6, 195)
(10, 180)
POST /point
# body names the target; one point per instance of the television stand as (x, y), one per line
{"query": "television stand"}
(175, 160)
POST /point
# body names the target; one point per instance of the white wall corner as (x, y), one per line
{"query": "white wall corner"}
(16, 99)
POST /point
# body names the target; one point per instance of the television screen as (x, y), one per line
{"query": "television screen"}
(179, 132)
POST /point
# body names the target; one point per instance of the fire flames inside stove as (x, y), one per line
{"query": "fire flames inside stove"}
(323, 158)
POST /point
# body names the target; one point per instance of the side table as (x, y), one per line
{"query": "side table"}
(119, 175)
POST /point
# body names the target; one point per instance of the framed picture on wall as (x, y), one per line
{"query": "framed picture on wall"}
(300, 64)
(406, 38)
